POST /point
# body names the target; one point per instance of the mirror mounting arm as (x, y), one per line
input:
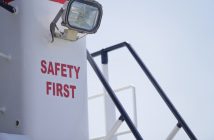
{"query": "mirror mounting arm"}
(53, 23)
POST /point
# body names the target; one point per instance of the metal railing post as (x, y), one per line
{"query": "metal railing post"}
(114, 97)
(110, 113)
(162, 93)
(174, 132)
(114, 129)
(154, 82)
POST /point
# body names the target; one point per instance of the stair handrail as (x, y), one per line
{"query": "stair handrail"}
(124, 115)
(163, 95)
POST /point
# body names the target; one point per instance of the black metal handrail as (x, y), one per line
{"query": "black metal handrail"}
(153, 81)
(114, 97)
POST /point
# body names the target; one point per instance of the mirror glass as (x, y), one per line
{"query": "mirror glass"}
(83, 16)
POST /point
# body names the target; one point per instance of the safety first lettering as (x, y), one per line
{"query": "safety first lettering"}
(62, 70)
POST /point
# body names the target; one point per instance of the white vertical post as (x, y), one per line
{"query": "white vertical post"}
(113, 131)
(173, 132)
(110, 113)
(134, 105)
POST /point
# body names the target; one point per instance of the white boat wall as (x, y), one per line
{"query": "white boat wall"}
(43, 89)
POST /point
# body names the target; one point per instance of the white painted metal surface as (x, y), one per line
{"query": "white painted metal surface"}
(114, 129)
(5, 136)
(110, 113)
(117, 91)
(41, 101)
(116, 125)
(173, 133)
(117, 134)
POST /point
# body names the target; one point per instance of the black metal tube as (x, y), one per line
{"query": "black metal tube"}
(112, 48)
(53, 23)
(114, 97)
(155, 84)
(162, 93)
(104, 57)
(8, 7)
(179, 125)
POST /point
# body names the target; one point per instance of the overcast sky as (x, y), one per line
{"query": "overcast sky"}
(175, 39)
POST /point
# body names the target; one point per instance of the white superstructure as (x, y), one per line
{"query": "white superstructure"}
(43, 90)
